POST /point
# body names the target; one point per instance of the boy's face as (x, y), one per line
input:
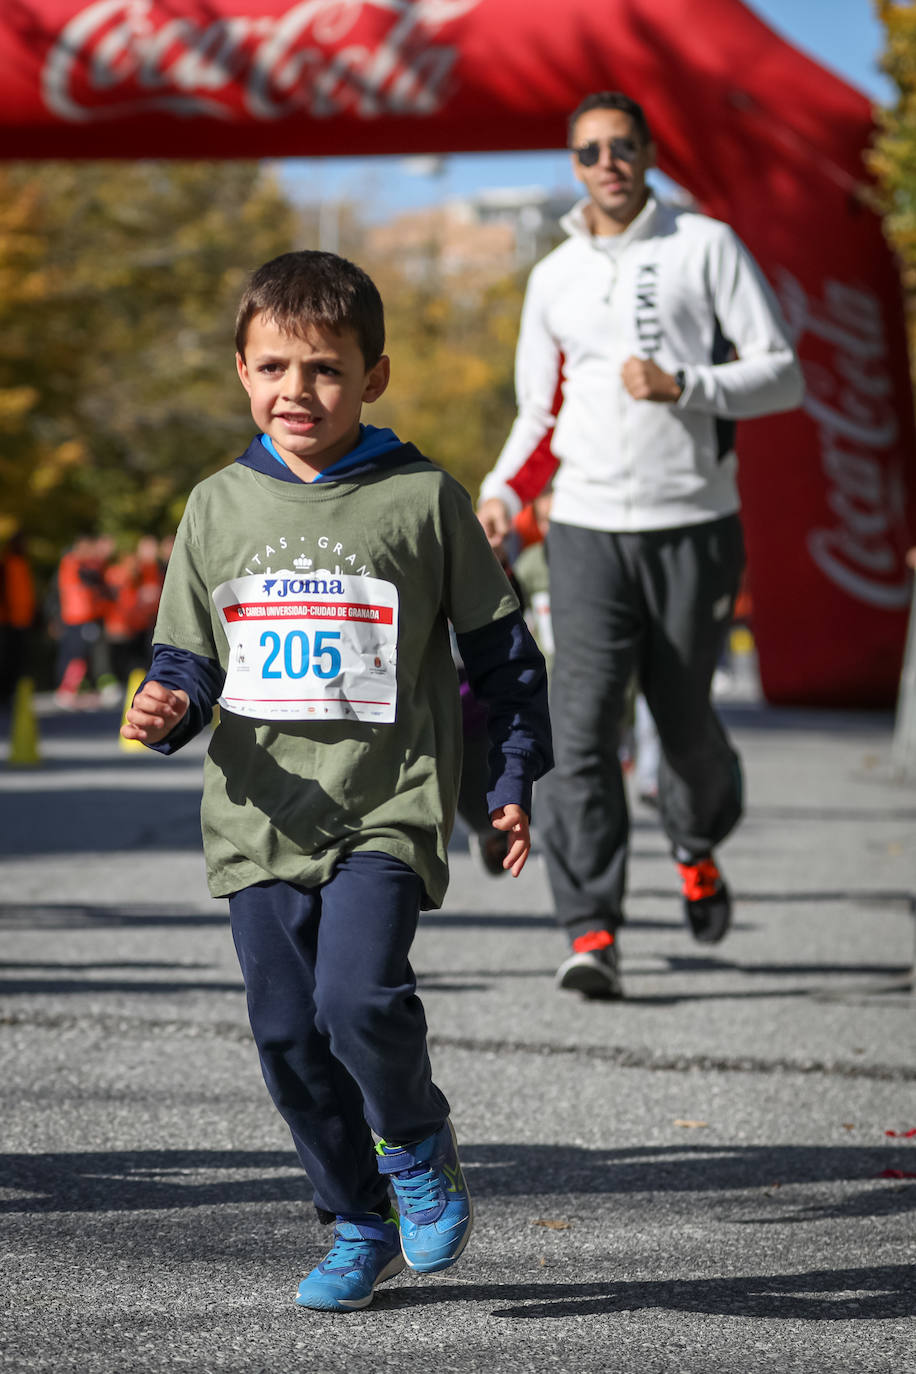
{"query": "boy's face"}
(307, 393)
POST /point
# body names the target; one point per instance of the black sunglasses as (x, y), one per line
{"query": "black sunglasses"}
(621, 149)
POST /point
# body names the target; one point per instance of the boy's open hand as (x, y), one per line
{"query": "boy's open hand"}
(513, 819)
(154, 713)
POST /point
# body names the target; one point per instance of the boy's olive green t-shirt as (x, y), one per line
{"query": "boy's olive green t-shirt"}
(288, 798)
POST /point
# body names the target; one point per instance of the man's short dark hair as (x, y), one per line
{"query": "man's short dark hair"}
(611, 100)
(297, 290)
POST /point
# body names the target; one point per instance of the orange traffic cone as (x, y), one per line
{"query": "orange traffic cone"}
(24, 743)
(133, 684)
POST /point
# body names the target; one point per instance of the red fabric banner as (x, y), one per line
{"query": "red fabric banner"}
(761, 135)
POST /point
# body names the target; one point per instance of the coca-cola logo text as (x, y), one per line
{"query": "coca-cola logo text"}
(851, 401)
(119, 58)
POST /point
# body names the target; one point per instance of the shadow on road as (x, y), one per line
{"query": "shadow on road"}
(558, 1170)
(54, 985)
(144, 1180)
(897, 897)
(79, 915)
(98, 821)
(876, 1293)
(553, 1176)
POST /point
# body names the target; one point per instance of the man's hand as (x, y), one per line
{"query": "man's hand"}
(154, 713)
(513, 819)
(646, 381)
(494, 515)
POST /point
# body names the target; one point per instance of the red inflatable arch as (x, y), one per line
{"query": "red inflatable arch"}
(761, 135)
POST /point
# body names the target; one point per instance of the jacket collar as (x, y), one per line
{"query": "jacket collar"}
(642, 227)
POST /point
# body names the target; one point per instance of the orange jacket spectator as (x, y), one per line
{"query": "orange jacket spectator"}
(18, 605)
(150, 576)
(78, 600)
(121, 611)
(81, 581)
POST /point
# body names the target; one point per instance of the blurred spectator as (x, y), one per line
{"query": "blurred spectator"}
(648, 752)
(151, 567)
(83, 594)
(134, 585)
(120, 615)
(488, 846)
(531, 573)
(524, 563)
(17, 613)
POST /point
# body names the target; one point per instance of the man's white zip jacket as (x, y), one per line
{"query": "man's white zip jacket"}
(680, 288)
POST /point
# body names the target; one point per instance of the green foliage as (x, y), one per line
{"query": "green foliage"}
(893, 159)
(452, 358)
(118, 289)
(118, 286)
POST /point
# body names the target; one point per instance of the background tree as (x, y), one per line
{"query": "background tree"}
(452, 353)
(893, 159)
(118, 286)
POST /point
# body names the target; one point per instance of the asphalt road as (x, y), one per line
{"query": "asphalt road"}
(698, 1179)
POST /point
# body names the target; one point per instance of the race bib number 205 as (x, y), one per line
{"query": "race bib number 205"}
(310, 646)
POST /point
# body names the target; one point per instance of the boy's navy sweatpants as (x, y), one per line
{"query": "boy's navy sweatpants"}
(339, 1028)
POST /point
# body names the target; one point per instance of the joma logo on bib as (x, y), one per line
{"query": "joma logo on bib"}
(296, 586)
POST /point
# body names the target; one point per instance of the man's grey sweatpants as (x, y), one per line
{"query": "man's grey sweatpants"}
(658, 604)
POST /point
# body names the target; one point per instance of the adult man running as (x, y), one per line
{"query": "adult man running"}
(664, 333)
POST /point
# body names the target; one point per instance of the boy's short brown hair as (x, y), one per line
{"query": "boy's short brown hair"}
(310, 287)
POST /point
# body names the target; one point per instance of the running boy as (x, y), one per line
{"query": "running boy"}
(309, 592)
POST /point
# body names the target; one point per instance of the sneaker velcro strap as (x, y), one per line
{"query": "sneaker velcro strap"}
(393, 1161)
(369, 1224)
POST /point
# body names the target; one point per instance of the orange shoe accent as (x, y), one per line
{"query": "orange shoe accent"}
(592, 940)
(700, 880)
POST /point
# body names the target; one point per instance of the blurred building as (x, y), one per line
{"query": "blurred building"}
(477, 239)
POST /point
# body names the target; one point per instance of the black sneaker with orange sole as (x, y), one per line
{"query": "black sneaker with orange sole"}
(707, 900)
(592, 968)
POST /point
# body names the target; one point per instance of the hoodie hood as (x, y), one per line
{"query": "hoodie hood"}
(377, 448)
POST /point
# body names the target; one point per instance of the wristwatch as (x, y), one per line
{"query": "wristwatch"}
(681, 378)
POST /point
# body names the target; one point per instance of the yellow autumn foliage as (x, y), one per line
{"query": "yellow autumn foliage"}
(893, 159)
(118, 288)
(15, 403)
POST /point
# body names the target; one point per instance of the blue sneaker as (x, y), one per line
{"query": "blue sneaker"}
(436, 1212)
(366, 1252)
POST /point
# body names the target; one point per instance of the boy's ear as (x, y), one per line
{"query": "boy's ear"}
(377, 379)
(242, 367)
